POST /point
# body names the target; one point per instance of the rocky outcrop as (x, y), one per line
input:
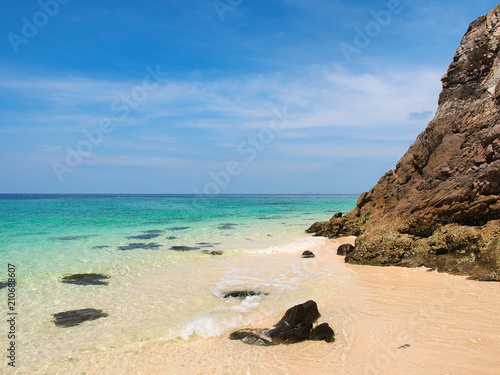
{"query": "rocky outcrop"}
(440, 206)
(295, 326)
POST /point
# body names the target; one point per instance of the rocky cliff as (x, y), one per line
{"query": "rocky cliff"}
(440, 206)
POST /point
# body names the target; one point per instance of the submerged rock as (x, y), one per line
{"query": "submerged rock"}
(250, 336)
(226, 226)
(140, 245)
(101, 247)
(243, 293)
(440, 206)
(86, 279)
(205, 244)
(73, 238)
(295, 326)
(3, 285)
(147, 236)
(308, 254)
(213, 252)
(177, 228)
(208, 244)
(75, 317)
(345, 249)
(184, 248)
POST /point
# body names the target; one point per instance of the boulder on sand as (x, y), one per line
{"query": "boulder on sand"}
(295, 326)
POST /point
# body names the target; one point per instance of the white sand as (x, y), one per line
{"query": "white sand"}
(450, 326)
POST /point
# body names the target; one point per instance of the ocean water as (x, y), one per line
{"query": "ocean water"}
(155, 291)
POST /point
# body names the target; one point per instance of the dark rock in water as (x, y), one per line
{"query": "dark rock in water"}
(308, 254)
(177, 228)
(73, 238)
(3, 285)
(440, 206)
(183, 248)
(345, 249)
(75, 317)
(101, 247)
(249, 336)
(204, 244)
(171, 238)
(290, 334)
(144, 236)
(243, 293)
(323, 332)
(213, 252)
(86, 279)
(208, 244)
(140, 245)
(226, 226)
(159, 221)
(295, 326)
(305, 313)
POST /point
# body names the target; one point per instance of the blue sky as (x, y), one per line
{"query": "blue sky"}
(229, 96)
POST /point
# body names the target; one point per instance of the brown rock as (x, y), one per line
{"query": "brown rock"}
(345, 249)
(440, 207)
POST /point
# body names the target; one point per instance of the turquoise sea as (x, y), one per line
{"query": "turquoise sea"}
(156, 249)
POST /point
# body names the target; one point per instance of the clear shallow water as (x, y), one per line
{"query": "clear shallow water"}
(49, 234)
(155, 293)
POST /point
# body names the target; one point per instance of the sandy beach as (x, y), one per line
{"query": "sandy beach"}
(387, 321)
(169, 166)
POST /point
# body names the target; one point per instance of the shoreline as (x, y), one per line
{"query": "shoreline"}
(388, 320)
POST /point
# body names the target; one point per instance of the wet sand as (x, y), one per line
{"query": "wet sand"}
(387, 321)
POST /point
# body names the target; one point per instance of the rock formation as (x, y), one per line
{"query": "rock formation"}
(295, 326)
(440, 206)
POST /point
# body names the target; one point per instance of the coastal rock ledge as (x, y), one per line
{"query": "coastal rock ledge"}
(440, 207)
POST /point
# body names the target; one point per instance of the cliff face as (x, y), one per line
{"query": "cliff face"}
(440, 207)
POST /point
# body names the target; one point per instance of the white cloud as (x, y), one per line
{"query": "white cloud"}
(324, 97)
